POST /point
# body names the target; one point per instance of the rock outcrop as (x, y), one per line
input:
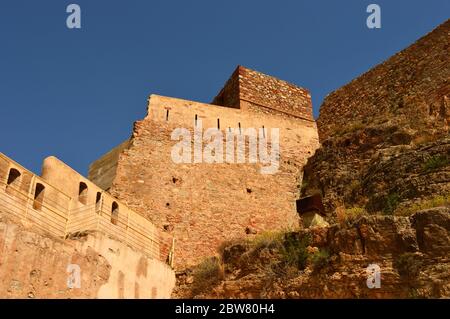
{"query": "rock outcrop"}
(357, 171)
(412, 253)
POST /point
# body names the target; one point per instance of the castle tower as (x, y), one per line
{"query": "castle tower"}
(204, 204)
(253, 91)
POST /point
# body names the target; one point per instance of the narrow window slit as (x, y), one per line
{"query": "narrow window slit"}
(115, 213)
(98, 201)
(13, 179)
(83, 193)
(39, 192)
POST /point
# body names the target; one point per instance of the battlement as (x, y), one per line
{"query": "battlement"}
(184, 113)
(249, 89)
(62, 202)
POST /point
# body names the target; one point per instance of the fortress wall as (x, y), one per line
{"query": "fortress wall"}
(411, 88)
(132, 275)
(98, 214)
(202, 204)
(67, 180)
(298, 138)
(48, 212)
(121, 260)
(14, 195)
(60, 210)
(34, 265)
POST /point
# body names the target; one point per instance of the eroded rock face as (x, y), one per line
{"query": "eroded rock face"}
(374, 178)
(412, 253)
(433, 229)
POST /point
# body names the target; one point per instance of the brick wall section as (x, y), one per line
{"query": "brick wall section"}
(264, 91)
(411, 89)
(229, 95)
(202, 205)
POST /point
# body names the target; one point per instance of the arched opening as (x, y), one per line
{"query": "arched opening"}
(114, 213)
(83, 193)
(39, 192)
(98, 202)
(13, 179)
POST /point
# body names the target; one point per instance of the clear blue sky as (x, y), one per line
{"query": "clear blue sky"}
(76, 93)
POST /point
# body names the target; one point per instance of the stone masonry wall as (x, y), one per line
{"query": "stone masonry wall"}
(229, 95)
(410, 89)
(264, 91)
(34, 265)
(203, 205)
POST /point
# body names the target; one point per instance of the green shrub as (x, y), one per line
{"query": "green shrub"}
(267, 239)
(347, 215)
(391, 203)
(320, 259)
(355, 212)
(304, 185)
(413, 293)
(436, 162)
(436, 201)
(206, 274)
(294, 251)
(408, 265)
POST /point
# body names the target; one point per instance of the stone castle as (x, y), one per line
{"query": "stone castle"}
(202, 205)
(139, 217)
(159, 215)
